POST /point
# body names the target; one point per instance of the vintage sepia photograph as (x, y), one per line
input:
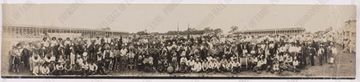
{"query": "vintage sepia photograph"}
(260, 41)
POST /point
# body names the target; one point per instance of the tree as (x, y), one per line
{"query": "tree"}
(233, 29)
(218, 30)
(207, 30)
(193, 31)
(141, 33)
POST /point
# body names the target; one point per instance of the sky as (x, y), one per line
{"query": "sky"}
(165, 17)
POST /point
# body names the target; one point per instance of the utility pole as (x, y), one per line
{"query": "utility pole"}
(188, 27)
(145, 30)
(178, 29)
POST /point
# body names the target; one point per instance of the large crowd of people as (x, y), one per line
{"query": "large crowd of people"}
(172, 54)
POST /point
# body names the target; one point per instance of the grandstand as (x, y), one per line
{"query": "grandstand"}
(35, 32)
(273, 31)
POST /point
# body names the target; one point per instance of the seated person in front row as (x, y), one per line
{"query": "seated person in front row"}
(44, 69)
(275, 67)
(92, 68)
(68, 68)
(197, 66)
(295, 65)
(59, 69)
(85, 68)
(183, 61)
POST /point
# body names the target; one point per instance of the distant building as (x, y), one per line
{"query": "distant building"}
(273, 31)
(349, 30)
(29, 31)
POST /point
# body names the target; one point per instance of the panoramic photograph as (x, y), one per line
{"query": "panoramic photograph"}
(262, 41)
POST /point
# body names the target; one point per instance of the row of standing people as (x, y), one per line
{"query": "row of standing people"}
(168, 54)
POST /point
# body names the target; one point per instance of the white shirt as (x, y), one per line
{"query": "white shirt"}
(45, 43)
(334, 51)
(107, 40)
(51, 59)
(97, 41)
(34, 60)
(131, 55)
(59, 67)
(192, 63)
(211, 65)
(123, 52)
(295, 63)
(67, 42)
(183, 60)
(197, 67)
(93, 67)
(45, 70)
(53, 43)
(85, 66)
(292, 49)
(80, 61)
